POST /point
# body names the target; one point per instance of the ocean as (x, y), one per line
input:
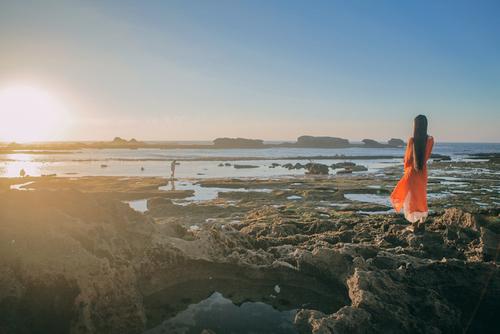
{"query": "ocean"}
(205, 163)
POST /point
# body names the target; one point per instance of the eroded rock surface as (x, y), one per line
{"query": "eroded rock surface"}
(76, 259)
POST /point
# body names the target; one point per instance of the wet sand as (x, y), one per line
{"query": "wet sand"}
(78, 257)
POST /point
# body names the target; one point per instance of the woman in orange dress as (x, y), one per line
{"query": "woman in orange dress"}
(410, 194)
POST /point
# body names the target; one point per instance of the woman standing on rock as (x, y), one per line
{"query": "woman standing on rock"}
(410, 193)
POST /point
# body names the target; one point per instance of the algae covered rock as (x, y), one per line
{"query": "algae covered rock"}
(317, 169)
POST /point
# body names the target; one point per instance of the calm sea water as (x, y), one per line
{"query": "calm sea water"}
(194, 163)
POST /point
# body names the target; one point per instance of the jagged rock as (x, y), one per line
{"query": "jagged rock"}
(298, 166)
(440, 157)
(240, 166)
(490, 242)
(316, 169)
(345, 164)
(95, 265)
(358, 168)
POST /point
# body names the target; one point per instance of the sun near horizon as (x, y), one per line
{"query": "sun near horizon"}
(29, 113)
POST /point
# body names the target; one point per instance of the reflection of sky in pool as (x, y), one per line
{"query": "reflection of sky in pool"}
(140, 205)
(21, 186)
(204, 193)
(369, 198)
(220, 315)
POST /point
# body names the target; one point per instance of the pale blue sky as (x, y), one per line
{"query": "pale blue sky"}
(263, 69)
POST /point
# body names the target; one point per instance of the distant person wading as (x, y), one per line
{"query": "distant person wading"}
(172, 169)
(410, 194)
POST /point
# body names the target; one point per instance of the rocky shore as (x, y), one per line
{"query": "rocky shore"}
(77, 258)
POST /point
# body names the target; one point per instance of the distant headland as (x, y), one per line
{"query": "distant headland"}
(218, 143)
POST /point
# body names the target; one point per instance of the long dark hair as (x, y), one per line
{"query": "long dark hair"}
(419, 141)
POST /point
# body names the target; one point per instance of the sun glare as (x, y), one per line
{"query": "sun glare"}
(29, 113)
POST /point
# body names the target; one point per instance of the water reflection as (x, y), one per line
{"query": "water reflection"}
(203, 193)
(13, 164)
(140, 205)
(220, 315)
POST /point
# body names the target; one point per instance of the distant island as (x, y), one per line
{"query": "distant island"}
(306, 142)
(218, 143)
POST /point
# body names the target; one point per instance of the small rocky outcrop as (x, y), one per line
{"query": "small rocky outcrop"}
(345, 164)
(348, 167)
(316, 169)
(242, 166)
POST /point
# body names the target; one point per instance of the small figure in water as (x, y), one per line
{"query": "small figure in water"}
(22, 172)
(172, 168)
(410, 194)
(142, 169)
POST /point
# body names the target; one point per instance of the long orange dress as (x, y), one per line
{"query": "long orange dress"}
(410, 194)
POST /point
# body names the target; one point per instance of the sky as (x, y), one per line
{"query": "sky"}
(274, 70)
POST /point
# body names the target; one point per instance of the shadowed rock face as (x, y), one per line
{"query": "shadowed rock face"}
(44, 305)
(96, 265)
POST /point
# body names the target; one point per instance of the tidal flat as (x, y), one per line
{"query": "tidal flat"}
(301, 254)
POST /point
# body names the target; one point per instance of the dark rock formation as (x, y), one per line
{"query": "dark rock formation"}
(316, 169)
(440, 157)
(240, 166)
(238, 143)
(346, 164)
(358, 168)
(321, 142)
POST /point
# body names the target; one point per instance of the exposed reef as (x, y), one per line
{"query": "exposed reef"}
(77, 259)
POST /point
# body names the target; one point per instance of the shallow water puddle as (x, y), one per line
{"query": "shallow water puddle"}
(369, 198)
(455, 183)
(220, 315)
(204, 193)
(140, 205)
(233, 299)
(440, 195)
(21, 186)
(376, 212)
(294, 197)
